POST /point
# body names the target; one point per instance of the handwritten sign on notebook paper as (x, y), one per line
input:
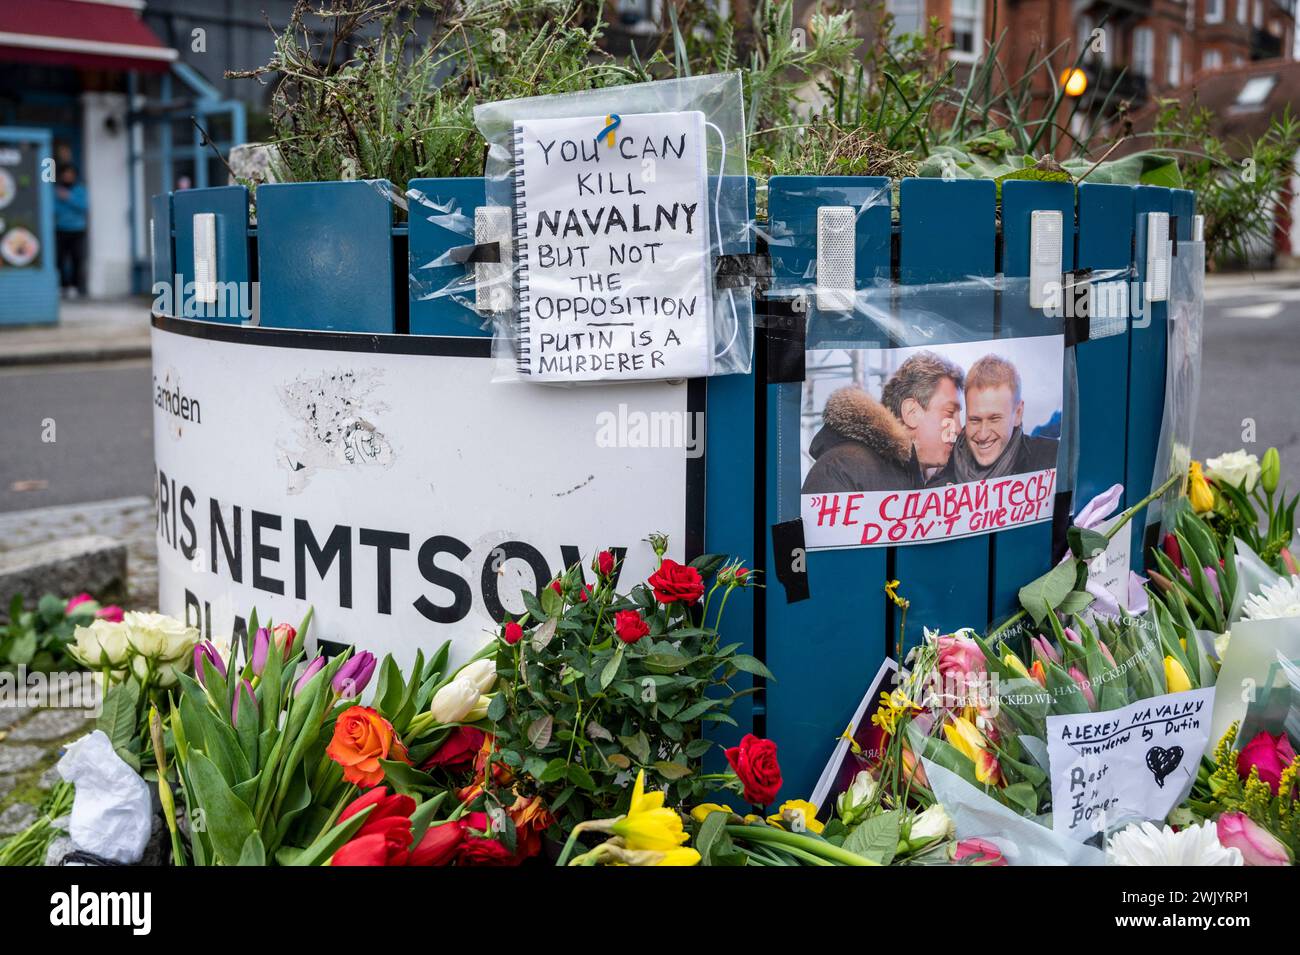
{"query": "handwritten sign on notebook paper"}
(612, 238)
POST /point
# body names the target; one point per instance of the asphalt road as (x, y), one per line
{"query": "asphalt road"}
(102, 430)
(103, 447)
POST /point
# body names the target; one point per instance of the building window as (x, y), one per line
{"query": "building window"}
(1144, 52)
(1213, 11)
(1175, 70)
(1256, 90)
(1258, 20)
(1243, 10)
(967, 29)
(1211, 60)
(908, 16)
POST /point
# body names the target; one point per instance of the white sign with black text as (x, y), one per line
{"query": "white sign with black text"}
(405, 497)
(1137, 762)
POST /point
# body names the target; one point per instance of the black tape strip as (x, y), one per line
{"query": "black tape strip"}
(482, 252)
(787, 332)
(788, 553)
(743, 270)
(1173, 235)
(1062, 515)
(1078, 323)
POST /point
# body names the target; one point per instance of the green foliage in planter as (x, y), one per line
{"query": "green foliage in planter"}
(580, 710)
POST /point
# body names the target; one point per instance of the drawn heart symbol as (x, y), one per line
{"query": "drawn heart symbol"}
(1163, 761)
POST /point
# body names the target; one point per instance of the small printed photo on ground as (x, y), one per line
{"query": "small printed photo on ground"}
(907, 445)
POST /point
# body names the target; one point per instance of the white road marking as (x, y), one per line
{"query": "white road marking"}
(1263, 310)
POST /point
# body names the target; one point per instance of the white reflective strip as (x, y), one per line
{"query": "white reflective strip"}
(1158, 256)
(205, 256)
(492, 280)
(1198, 228)
(1046, 256)
(836, 257)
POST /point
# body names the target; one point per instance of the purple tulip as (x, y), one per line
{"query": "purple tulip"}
(207, 650)
(261, 647)
(245, 689)
(354, 675)
(313, 668)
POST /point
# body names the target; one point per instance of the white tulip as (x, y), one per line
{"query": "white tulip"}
(454, 701)
(1233, 468)
(482, 673)
(930, 825)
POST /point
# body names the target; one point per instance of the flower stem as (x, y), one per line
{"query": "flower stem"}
(796, 844)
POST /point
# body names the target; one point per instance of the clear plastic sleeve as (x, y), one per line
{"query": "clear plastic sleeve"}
(619, 205)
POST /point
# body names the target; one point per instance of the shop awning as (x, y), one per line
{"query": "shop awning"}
(89, 34)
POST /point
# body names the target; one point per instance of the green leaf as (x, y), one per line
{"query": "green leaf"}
(496, 710)
(544, 634)
(422, 818)
(227, 821)
(743, 661)
(876, 838)
(406, 779)
(1046, 593)
(580, 777)
(665, 662)
(714, 845)
(1084, 543)
(253, 853)
(117, 718)
(555, 770)
(539, 731)
(1076, 601)
(638, 746)
(322, 850)
(708, 564)
(610, 670)
(670, 770)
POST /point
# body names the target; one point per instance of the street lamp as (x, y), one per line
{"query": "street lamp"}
(1075, 81)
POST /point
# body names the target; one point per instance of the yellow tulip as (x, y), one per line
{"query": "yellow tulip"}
(1199, 490)
(1175, 676)
(970, 742)
(702, 811)
(647, 824)
(791, 810)
(1014, 662)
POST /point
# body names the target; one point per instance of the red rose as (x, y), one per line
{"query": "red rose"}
(1269, 754)
(674, 582)
(439, 845)
(482, 850)
(754, 761)
(514, 633)
(460, 747)
(605, 563)
(629, 626)
(557, 587)
(584, 593)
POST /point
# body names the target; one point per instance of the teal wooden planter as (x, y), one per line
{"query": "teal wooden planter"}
(329, 257)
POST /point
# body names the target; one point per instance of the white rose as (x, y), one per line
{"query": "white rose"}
(930, 825)
(454, 701)
(158, 636)
(482, 673)
(857, 796)
(101, 642)
(1233, 468)
(167, 673)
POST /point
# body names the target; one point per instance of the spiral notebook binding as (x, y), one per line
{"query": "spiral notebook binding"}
(523, 363)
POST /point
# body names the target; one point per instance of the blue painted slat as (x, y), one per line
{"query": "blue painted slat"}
(1023, 553)
(1105, 245)
(1146, 369)
(325, 256)
(162, 254)
(1183, 205)
(947, 232)
(730, 482)
(230, 206)
(825, 650)
(441, 215)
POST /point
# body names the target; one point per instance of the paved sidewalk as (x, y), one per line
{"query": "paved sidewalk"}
(129, 519)
(99, 330)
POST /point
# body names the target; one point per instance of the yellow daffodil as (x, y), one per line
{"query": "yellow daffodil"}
(648, 825)
(795, 814)
(702, 811)
(893, 706)
(1198, 490)
(680, 857)
(1014, 662)
(966, 738)
(1175, 676)
(891, 591)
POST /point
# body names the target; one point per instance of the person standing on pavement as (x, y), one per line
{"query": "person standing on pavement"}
(70, 205)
